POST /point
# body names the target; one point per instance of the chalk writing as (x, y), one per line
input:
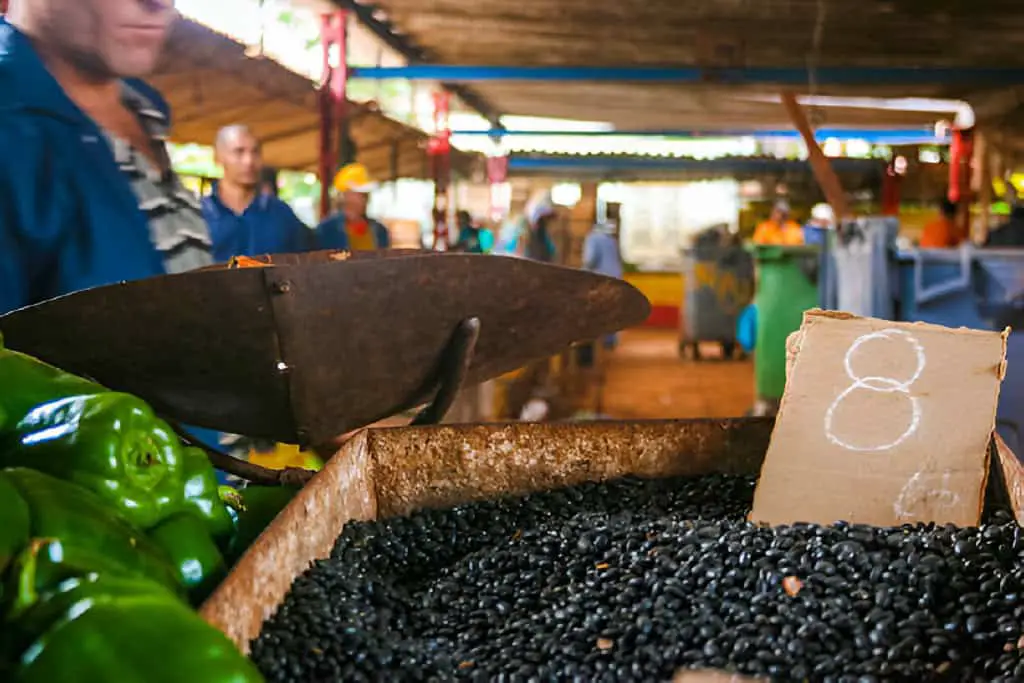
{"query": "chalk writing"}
(917, 492)
(885, 385)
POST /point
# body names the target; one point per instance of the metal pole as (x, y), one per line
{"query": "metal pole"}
(439, 150)
(332, 100)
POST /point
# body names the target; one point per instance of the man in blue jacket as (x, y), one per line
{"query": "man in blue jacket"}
(87, 193)
(243, 220)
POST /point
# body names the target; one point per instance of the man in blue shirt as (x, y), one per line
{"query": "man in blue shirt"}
(243, 220)
(87, 193)
(601, 255)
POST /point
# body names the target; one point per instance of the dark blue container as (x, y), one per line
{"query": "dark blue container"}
(976, 288)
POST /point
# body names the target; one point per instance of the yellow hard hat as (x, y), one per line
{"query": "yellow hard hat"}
(354, 178)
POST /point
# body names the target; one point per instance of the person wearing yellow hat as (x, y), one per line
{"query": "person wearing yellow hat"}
(351, 229)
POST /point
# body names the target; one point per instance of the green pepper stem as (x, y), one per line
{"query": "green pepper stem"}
(251, 472)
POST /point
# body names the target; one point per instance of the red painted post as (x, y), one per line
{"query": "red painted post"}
(439, 148)
(961, 153)
(497, 173)
(333, 84)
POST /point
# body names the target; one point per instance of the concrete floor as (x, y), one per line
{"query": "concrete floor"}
(647, 379)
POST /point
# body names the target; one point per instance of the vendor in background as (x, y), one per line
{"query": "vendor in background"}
(942, 231)
(473, 239)
(779, 229)
(822, 220)
(268, 182)
(535, 242)
(244, 220)
(1010, 233)
(350, 229)
(601, 255)
(89, 196)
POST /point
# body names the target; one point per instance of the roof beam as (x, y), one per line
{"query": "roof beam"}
(778, 76)
(384, 31)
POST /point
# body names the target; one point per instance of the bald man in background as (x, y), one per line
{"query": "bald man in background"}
(244, 220)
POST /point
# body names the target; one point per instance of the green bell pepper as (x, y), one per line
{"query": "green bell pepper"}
(111, 444)
(47, 563)
(113, 628)
(256, 507)
(61, 510)
(15, 523)
(28, 382)
(133, 638)
(47, 580)
(195, 557)
(202, 494)
(21, 633)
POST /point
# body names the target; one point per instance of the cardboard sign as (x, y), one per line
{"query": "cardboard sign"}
(882, 423)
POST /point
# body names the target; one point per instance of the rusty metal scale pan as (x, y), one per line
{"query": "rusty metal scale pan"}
(311, 346)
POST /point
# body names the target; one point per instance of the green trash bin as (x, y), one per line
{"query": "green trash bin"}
(787, 285)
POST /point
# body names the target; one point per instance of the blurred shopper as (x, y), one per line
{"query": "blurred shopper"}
(244, 219)
(779, 229)
(268, 182)
(351, 229)
(88, 196)
(601, 255)
(942, 231)
(1010, 233)
(823, 219)
(510, 233)
(601, 250)
(469, 240)
(536, 242)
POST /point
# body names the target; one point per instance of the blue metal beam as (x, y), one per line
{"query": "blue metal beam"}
(606, 163)
(898, 136)
(787, 76)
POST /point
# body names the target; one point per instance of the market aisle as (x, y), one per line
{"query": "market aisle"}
(647, 379)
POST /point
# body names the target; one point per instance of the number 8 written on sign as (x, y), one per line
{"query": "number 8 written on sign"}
(882, 385)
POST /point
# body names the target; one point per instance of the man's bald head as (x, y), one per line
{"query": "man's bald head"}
(238, 152)
(105, 38)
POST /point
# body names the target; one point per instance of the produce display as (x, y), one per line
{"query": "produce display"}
(111, 531)
(630, 580)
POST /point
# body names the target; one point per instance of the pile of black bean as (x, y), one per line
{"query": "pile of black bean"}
(632, 580)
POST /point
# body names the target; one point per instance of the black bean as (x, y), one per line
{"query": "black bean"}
(631, 580)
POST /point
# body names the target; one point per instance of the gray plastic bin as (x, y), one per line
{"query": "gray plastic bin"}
(718, 282)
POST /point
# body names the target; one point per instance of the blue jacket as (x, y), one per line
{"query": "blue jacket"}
(68, 218)
(267, 226)
(601, 254)
(331, 234)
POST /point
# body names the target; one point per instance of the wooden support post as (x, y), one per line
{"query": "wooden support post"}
(823, 171)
